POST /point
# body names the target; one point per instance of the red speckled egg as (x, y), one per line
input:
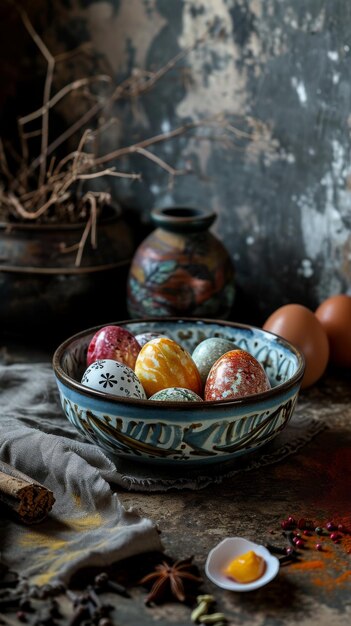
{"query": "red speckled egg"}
(335, 316)
(236, 374)
(163, 363)
(116, 343)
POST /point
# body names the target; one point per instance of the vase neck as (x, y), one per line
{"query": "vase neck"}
(183, 219)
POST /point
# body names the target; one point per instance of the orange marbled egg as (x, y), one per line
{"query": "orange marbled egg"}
(163, 363)
(236, 374)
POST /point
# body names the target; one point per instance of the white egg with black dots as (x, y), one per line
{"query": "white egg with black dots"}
(114, 378)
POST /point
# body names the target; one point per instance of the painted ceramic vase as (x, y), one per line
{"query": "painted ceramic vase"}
(181, 268)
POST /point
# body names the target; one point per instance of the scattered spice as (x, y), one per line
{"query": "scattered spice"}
(275, 549)
(202, 614)
(331, 538)
(203, 604)
(103, 583)
(308, 565)
(171, 578)
(288, 559)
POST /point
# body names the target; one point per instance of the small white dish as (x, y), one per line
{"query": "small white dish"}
(229, 549)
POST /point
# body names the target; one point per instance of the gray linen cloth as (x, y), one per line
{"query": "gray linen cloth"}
(88, 526)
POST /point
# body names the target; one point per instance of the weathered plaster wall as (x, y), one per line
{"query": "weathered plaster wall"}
(279, 70)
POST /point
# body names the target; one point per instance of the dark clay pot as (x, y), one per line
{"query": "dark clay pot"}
(42, 290)
(181, 268)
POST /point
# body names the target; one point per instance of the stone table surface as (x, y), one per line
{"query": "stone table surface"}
(314, 483)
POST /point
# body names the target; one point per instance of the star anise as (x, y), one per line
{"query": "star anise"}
(170, 578)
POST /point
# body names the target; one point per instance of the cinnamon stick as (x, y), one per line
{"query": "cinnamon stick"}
(30, 501)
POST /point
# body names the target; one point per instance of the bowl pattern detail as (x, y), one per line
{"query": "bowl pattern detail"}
(170, 432)
(179, 441)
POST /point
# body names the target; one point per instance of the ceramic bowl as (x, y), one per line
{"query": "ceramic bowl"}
(229, 549)
(192, 433)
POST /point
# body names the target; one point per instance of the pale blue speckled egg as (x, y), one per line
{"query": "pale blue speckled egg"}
(208, 352)
(176, 394)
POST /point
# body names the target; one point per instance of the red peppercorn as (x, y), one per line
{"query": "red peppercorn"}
(289, 550)
(285, 524)
(330, 526)
(299, 543)
(335, 537)
(292, 520)
(319, 547)
(301, 523)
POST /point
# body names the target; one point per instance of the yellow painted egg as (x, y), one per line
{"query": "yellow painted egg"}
(163, 363)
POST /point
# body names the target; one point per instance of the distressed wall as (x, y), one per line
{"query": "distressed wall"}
(279, 177)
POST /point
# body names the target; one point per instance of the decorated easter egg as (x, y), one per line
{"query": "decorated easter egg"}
(163, 363)
(143, 338)
(176, 394)
(113, 342)
(234, 375)
(115, 378)
(208, 352)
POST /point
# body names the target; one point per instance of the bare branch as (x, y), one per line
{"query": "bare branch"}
(108, 172)
(74, 86)
(150, 141)
(3, 162)
(61, 189)
(47, 89)
(128, 88)
(152, 157)
(82, 48)
(83, 241)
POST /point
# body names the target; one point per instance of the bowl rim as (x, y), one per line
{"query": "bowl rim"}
(174, 405)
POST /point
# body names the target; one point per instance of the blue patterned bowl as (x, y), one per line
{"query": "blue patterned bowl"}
(191, 433)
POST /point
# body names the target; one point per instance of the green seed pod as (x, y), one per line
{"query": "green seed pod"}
(205, 598)
(213, 618)
(200, 610)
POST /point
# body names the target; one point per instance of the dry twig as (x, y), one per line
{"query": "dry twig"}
(39, 190)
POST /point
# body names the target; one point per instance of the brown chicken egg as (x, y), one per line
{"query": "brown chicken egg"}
(299, 325)
(335, 316)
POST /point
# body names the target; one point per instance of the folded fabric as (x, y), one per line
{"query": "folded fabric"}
(88, 526)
